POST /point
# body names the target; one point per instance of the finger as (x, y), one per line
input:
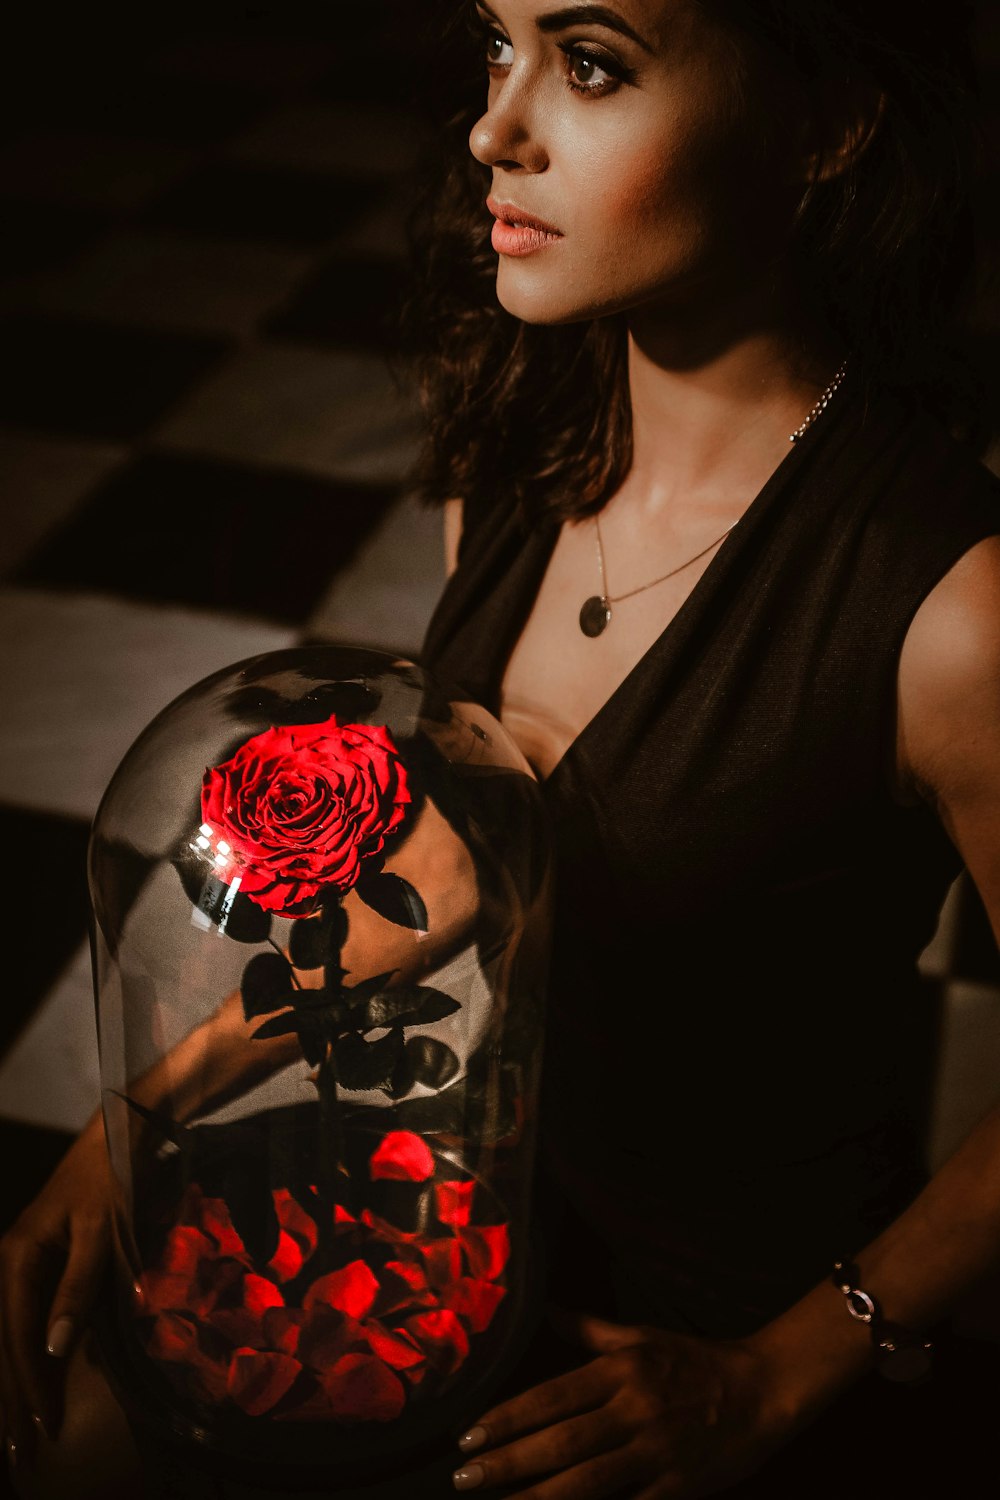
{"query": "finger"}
(600, 1335)
(27, 1278)
(564, 1396)
(78, 1287)
(558, 1447)
(596, 1479)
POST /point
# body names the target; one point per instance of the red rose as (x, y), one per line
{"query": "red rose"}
(300, 807)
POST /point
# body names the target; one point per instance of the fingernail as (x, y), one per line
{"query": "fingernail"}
(468, 1479)
(60, 1338)
(12, 1452)
(473, 1439)
(40, 1424)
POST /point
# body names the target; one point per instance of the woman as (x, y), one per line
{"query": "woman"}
(762, 696)
(760, 681)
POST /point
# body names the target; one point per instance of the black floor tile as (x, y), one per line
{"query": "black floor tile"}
(262, 203)
(200, 531)
(351, 301)
(47, 860)
(93, 379)
(42, 236)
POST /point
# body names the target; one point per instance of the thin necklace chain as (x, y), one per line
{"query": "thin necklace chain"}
(816, 411)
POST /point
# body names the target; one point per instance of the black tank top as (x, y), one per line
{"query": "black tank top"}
(738, 1040)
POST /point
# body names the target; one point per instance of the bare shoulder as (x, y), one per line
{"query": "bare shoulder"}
(949, 677)
(452, 534)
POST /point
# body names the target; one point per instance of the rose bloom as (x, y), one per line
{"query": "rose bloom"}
(303, 806)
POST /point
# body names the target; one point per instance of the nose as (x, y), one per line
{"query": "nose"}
(506, 135)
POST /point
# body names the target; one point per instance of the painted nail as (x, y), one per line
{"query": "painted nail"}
(12, 1452)
(40, 1424)
(468, 1479)
(472, 1440)
(60, 1338)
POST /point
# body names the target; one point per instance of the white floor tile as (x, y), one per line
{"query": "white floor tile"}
(386, 597)
(82, 675)
(337, 414)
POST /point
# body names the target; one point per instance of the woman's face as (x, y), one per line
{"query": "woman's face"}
(618, 127)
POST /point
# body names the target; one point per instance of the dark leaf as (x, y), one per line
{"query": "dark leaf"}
(310, 1027)
(357, 994)
(235, 915)
(248, 1197)
(281, 1025)
(169, 1128)
(395, 899)
(266, 985)
(367, 1065)
(409, 1005)
(316, 940)
(433, 1063)
(402, 1079)
(243, 920)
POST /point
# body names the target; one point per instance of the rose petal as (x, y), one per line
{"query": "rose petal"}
(443, 1261)
(288, 1260)
(402, 1156)
(352, 1290)
(362, 1388)
(215, 1220)
(475, 1301)
(259, 1294)
(487, 1247)
(257, 1381)
(184, 1248)
(453, 1201)
(399, 1350)
(160, 1291)
(327, 1336)
(282, 1328)
(442, 1337)
(173, 1338)
(293, 1218)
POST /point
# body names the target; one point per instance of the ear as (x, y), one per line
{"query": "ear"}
(843, 131)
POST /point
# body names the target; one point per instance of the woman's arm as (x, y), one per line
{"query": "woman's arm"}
(684, 1416)
(452, 534)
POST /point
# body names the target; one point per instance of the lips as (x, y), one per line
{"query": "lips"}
(517, 232)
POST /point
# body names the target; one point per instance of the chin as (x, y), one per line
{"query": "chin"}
(544, 299)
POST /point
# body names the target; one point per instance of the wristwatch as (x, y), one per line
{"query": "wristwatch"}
(900, 1355)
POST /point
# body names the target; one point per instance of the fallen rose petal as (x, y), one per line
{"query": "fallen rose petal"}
(442, 1337)
(361, 1388)
(351, 1290)
(159, 1291)
(259, 1294)
(208, 1378)
(215, 1220)
(327, 1336)
(173, 1337)
(238, 1326)
(487, 1247)
(282, 1327)
(341, 1216)
(475, 1301)
(454, 1201)
(399, 1350)
(257, 1381)
(403, 1284)
(383, 1230)
(183, 1250)
(288, 1260)
(402, 1156)
(443, 1261)
(295, 1221)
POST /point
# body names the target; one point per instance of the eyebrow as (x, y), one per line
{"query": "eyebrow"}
(575, 15)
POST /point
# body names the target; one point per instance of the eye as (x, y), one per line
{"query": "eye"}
(499, 52)
(592, 72)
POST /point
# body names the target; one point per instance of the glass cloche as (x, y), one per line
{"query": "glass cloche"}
(320, 892)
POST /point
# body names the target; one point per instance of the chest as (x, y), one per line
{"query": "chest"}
(557, 679)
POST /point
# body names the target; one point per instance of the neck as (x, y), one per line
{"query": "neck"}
(711, 413)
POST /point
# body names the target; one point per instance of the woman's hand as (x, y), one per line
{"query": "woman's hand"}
(51, 1263)
(665, 1414)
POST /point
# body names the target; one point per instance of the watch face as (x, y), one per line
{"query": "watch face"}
(906, 1363)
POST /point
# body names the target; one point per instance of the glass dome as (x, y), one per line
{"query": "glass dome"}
(320, 892)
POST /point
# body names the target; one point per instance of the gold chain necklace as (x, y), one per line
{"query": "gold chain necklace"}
(595, 613)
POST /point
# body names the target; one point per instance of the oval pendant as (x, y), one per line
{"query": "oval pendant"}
(595, 616)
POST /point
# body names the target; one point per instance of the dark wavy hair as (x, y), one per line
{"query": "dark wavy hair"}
(883, 251)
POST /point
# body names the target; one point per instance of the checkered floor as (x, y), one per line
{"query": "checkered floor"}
(204, 246)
